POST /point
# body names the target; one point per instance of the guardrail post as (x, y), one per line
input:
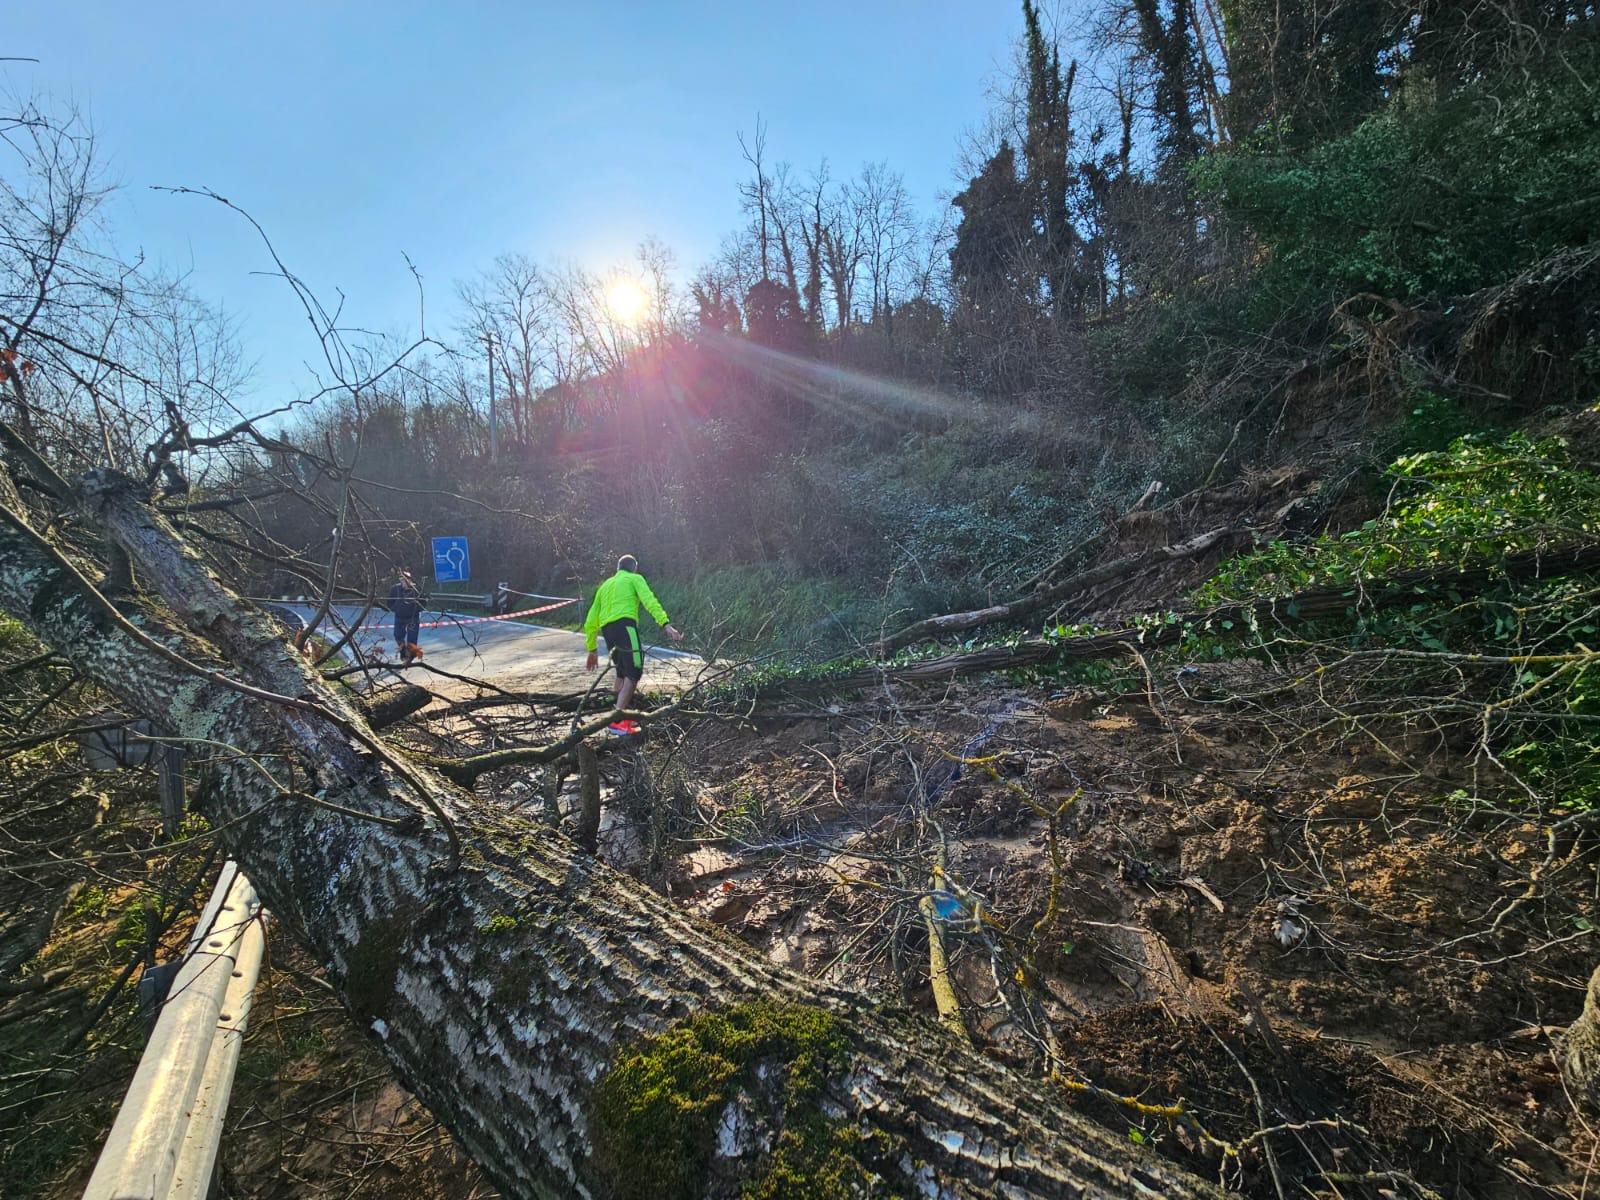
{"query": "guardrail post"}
(169, 776)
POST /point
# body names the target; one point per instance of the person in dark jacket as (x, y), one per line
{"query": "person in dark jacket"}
(405, 602)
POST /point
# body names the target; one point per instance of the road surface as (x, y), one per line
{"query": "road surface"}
(510, 654)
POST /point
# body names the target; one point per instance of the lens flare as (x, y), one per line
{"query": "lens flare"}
(626, 301)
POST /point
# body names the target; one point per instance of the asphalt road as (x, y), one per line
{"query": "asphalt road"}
(507, 653)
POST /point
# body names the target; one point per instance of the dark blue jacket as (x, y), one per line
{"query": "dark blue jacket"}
(405, 601)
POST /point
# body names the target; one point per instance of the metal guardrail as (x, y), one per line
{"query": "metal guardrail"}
(164, 1142)
(113, 743)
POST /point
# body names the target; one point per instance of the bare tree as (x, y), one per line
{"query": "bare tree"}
(842, 251)
(511, 306)
(889, 233)
(756, 192)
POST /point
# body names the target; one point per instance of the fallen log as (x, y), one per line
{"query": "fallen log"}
(34, 983)
(1077, 551)
(1130, 564)
(1072, 554)
(24, 934)
(1311, 604)
(507, 976)
(395, 705)
(33, 1005)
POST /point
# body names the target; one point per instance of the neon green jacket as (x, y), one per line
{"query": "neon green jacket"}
(619, 597)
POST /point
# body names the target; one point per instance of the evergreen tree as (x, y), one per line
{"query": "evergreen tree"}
(774, 317)
(1048, 144)
(1167, 35)
(1306, 72)
(994, 232)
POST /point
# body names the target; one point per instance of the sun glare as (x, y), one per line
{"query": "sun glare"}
(627, 301)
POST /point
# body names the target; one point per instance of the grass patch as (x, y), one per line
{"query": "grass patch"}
(749, 609)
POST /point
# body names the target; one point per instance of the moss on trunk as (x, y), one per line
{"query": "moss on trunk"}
(753, 1077)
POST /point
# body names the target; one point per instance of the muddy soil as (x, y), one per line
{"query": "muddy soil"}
(1303, 966)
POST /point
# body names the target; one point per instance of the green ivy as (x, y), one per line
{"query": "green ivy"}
(1470, 506)
(1475, 502)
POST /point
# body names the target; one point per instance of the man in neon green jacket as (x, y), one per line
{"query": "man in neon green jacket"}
(614, 615)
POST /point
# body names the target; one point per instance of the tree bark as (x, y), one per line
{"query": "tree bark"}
(505, 989)
(1580, 1050)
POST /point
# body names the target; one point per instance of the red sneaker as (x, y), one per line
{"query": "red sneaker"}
(620, 728)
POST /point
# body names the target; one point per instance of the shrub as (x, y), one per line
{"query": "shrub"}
(1427, 198)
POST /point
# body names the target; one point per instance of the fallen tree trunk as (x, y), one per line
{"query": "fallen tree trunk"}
(1128, 565)
(1072, 554)
(1580, 1050)
(1309, 605)
(1075, 552)
(506, 990)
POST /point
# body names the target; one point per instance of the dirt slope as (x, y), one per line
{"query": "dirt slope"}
(1310, 939)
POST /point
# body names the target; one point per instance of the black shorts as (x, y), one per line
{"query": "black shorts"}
(627, 653)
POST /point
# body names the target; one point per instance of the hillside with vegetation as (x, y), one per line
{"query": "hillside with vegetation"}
(1150, 607)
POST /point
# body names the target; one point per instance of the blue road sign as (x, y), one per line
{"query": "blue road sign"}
(451, 562)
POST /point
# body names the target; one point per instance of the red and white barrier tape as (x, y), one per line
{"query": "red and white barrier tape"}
(527, 612)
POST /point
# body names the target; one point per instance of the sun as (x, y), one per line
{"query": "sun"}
(626, 301)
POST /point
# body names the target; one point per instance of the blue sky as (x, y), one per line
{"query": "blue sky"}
(355, 132)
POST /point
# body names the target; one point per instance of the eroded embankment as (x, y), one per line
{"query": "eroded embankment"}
(1301, 953)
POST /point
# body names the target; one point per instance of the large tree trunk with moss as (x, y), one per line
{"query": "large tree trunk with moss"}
(1580, 1050)
(578, 1034)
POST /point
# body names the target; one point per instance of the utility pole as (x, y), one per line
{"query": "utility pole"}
(494, 429)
